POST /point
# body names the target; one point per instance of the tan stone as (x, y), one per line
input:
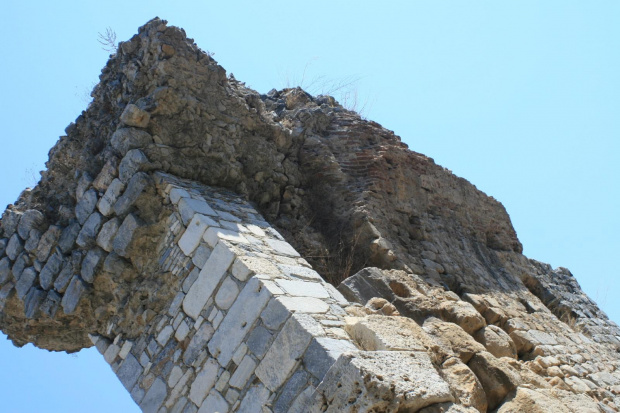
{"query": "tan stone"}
(496, 341)
(464, 384)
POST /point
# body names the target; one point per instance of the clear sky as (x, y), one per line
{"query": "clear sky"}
(520, 98)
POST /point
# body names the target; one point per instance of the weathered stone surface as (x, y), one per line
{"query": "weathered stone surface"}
(131, 163)
(106, 235)
(194, 232)
(154, 397)
(31, 219)
(189, 206)
(496, 341)
(91, 264)
(136, 185)
(47, 242)
(86, 206)
(205, 379)
(134, 116)
(219, 261)
(68, 237)
(88, 234)
(125, 139)
(112, 193)
(25, 281)
(323, 352)
(125, 235)
(50, 270)
(497, 377)
(14, 247)
(386, 333)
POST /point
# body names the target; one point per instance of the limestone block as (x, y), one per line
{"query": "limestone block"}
(135, 187)
(497, 377)
(204, 381)
(131, 163)
(125, 139)
(134, 116)
(256, 396)
(125, 235)
(288, 347)
(226, 294)
(238, 321)
(496, 341)
(165, 334)
(64, 277)
(275, 314)
(107, 233)
(208, 279)
(5, 270)
(177, 193)
(259, 341)
(10, 222)
(291, 390)
(243, 372)
(282, 248)
(244, 267)
(194, 232)
(3, 243)
(83, 184)
(21, 262)
(33, 301)
(50, 270)
(88, 235)
(463, 314)
(155, 396)
(86, 206)
(109, 198)
(201, 255)
(106, 176)
(323, 352)
(377, 332)
(453, 338)
(198, 343)
(72, 296)
(303, 288)
(68, 237)
(530, 400)
(214, 403)
(304, 304)
(382, 381)
(189, 206)
(47, 242)
(213, 235)
(31, 219)
(464, 384)
(33, 240)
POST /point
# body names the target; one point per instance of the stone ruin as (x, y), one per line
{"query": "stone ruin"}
(195, 231)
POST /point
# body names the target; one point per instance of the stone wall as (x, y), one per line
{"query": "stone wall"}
(183, 222)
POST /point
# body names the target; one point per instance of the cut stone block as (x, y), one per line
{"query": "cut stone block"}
(188, 207)
(194, 232)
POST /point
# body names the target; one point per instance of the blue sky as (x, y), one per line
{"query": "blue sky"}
(520, 98)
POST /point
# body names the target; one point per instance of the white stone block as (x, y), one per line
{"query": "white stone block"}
(125, 349)
(304, 304)
(164, 335)
(205, 379)
(215, 403)
(213, 235)
(188, 207)
(194, 232)
(238, 321)
(243, 373)
(182, 331)
(282, 247)
(177, 193)
(303, 288)
(208, 279)
(226, 294)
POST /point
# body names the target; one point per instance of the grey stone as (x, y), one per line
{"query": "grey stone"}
(214, 234)
(137, 394)
(298, 271)
(5, 293)
(177, 193)
(32, 302)
(73, 294)
(22, 261)
(86, 206)
(243, 372)
(47, 242)
(204, 382)
(179, 405)
(259, 341)
(51, 303)
(107, 233)
(255, 398)
(154, 397)
(91, 264)
(290, 390)
(3, 243)
(197, 343)
(187, 207)
(208, 279)
(33, 240)
(10, 222)
(282, 248)
(275, 314)
(125, 234)
(131, 163)
(68, 237)
(226, 294)
(135, 187)
(26, 280)
(129, 372)
(165, 334)
(5, 270)
(87, 236)
(214, 403)
(288, 347)
(190, 279)
(322, 353)
(14, 247)
(129, 138)
(107, 201)
(83, 184)
(50, 270)
(238, 321)
(63, 279)
(134, 116)
(31, 219)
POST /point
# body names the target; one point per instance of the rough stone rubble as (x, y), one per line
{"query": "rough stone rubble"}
(186, 226)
